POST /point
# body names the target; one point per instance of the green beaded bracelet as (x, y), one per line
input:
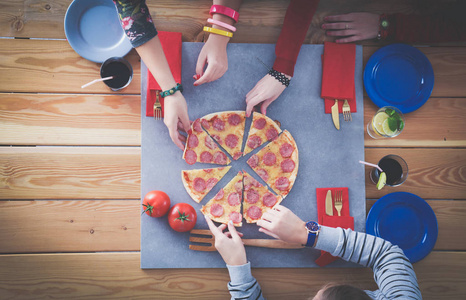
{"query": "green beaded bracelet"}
(171, 91)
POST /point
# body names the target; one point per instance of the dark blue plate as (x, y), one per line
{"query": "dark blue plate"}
(399, 75)
(405, 220)
(93, 30)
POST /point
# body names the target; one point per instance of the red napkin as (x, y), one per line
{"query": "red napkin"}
(338, 64)
(343, 221)
(171, 44)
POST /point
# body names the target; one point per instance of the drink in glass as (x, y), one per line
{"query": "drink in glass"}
(395, 168)
(121, 71)
(388, 122)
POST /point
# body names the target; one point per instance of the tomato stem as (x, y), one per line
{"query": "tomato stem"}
(148, 208)
(183, 217)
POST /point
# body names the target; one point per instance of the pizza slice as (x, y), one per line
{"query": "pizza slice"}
(226, 205)
(277, 163)
(262, 129)
(200, 147)
(257, 199)
(227, 128)
(200, 182)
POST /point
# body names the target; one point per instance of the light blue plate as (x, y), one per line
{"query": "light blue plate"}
(406, 220)
(93, 30)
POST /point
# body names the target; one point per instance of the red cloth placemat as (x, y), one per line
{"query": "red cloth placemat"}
(338, 65)
(171, 44)
(343, 221)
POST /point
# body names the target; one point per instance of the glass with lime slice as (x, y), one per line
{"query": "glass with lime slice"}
(388, 122)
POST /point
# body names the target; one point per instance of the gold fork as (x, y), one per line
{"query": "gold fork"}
(338, 201)
(157, 107)
(346, 111)
(209, 239)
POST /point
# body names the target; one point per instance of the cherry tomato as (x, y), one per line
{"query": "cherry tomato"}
(182, 217)
(156, 204)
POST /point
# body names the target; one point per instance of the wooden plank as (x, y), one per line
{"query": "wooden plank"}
(433, 173)
(32, 119)
(113, 225)
(117, 275)
(69, 173)
(440, 122)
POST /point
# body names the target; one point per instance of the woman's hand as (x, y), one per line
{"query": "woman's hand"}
(283, 224)
(228, 244)
(266, 91)
(176, 118)
(214, 53)
(353, 26)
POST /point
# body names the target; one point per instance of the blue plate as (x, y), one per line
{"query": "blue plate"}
(405, 220)
(399, 75)
(94, 31)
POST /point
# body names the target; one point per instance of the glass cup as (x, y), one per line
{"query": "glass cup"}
(388, 122)
(120, 69)
(394, 167)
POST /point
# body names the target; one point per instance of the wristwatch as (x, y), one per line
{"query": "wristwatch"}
(313, 229)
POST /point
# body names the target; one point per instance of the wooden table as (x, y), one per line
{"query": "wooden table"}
(70, 163)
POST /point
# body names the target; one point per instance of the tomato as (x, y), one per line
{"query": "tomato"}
(156, 203)
(182, 217)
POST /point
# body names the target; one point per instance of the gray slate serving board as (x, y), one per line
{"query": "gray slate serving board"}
(327, 157)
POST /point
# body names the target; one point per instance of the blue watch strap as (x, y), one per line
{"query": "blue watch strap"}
(311, 238)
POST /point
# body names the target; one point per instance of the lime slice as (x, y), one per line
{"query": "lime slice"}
(382, 181)
(386, 128)
(378, 122)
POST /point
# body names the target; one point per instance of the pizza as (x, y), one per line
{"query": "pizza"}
(257, 199)
(227, 128)
(200, 182)
(277, 163)
(262, 129)
(226, 204)
(200, 147)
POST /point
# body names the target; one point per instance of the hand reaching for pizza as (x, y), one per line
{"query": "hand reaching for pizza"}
(214, 53)
(283, 224)
(176, 112)
(266, 91)
(228, 244)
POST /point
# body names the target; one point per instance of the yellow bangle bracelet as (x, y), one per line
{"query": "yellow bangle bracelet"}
(218, 31)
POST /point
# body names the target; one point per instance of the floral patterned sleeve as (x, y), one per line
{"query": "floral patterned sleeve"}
(136, 21)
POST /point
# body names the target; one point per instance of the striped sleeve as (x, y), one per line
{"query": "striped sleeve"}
(242, 285)
(393, 272)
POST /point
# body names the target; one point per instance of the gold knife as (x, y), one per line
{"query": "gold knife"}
(336, 115)
(329, 204)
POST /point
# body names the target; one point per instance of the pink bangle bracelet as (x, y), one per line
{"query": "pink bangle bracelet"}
(226, 11)
(223, 24)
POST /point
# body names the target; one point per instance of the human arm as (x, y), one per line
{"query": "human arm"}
(214, 51)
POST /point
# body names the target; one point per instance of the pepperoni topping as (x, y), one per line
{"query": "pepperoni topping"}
(253, 161)
(220, 158)
(250, 182)
(190, 156)
(219, 195)
(254, 141)
(263, 174)
(282, 183)
(209, 142)
(269, 159)
(211, 183)
(235, 217)
(197, 126)
(217, 138)
(199, 184)
(254, 212)
(260, 123)
(237, 155)
(218, 124)
(269, 199)
(234, 199)
(231, 140)
(252, 196)
(271, 134)
(193, 141)
(216, 210)
(234, 119)
(286, 150)
(205, 124)
(206, 157)
(208, 170)
(287, 165)
(239, 186)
